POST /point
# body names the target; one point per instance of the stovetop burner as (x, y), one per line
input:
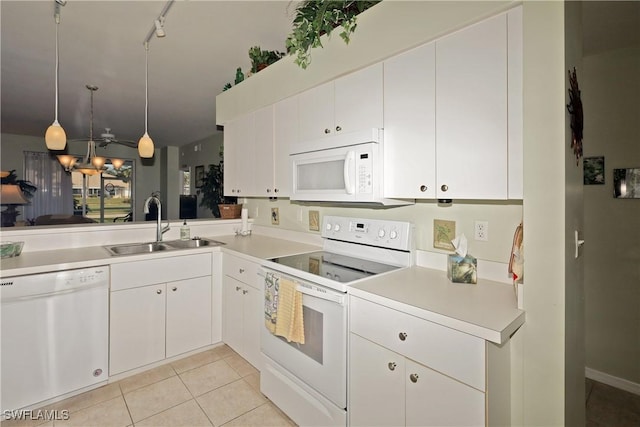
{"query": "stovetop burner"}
(341, 268)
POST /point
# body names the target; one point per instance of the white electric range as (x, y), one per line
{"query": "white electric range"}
(309, 381)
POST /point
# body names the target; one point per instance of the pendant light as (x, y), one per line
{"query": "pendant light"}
(145, 145)
(55, 137)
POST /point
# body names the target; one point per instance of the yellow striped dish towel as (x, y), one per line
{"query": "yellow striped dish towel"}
(289, 321)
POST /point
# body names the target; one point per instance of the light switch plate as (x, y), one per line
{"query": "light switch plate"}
(314, 221)
(275, 216)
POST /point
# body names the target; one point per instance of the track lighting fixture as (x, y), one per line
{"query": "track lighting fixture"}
(159, 23)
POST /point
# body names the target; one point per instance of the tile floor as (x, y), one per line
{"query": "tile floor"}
(216, 387)
(611, 407)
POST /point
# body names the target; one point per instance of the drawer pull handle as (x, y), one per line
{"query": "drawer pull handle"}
(413, 378)
(402, 336)
(237, 288)
(244, 292)
(241, 270)
(174, 289)
(392, 366)
(159, 291)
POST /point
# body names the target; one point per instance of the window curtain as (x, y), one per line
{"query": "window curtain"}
(54, 194)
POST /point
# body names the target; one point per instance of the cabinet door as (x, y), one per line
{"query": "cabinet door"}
(262, 149)
(286, 133)
(232, 313)
(433, 399)
(232, 134)
(188, 315)
(245, 157)
(253, 311)
(471, 105)
(376, 384)
(358, 100)
(410, 124)
(316, 112)
(137, 328)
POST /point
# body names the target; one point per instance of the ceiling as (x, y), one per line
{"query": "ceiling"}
(101, 43)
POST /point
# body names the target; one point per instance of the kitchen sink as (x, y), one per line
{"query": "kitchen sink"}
(147, 248)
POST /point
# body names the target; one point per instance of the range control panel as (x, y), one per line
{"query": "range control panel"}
(383, 233)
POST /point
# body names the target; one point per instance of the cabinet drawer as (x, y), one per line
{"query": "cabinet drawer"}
(241, 269)
(159, 270)
(443, 349)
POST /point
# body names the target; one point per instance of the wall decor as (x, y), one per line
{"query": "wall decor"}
(443, 233)
(199, 175)
(626, 183)
(575, 110)
(593, 170)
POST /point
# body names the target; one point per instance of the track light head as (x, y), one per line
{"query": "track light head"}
(159, 27)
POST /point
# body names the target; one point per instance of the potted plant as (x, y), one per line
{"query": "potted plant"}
(260, 59)
(315, 18)
(212, 191)
(26, 188)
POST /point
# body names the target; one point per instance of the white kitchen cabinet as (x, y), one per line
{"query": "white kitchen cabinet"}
(404, 370)
(347, 104)
(243, 308)
(410, 124)
(453, 115)
(285, 117)
(239, 156)
(159, 308)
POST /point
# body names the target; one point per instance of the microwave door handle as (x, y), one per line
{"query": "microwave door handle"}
(337, 298)
(349, 166)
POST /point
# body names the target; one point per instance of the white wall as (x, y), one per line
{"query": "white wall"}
(611, 90)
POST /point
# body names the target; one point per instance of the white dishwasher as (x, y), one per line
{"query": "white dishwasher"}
(54, 334)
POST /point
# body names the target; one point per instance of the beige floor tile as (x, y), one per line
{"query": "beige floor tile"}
(209, 377)
(253, 380)
(197, 360)
(188, 414)
(240, 365)
(145, 378)
(223, 351)
(264, 415)
(89, 398)
(155, 398)
(110, 413)
(26, 421)
(230, 401)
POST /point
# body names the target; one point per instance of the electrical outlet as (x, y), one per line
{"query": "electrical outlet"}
(481, 231)
(275, 216)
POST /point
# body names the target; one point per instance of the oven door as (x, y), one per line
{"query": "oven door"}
(321, 362)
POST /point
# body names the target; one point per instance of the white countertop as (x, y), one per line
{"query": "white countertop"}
(486, 310)
(255, 246)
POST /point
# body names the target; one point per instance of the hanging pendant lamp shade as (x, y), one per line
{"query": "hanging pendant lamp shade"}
(55, 137)
(145, 145)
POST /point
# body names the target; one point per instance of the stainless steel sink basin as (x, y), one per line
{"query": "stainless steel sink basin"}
(137, 248)
(147, 248)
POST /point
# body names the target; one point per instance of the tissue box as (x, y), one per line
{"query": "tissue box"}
(462, 270)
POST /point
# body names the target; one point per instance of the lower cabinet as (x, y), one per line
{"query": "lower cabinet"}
(243, 308)
(151, 322)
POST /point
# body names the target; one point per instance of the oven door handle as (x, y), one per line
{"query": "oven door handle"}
(328, 296)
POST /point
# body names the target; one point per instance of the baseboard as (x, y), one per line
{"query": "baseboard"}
(616, 382)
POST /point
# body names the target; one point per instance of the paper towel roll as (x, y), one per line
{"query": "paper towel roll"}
(245, 220)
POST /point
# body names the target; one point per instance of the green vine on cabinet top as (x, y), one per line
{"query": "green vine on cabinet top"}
(315, 18)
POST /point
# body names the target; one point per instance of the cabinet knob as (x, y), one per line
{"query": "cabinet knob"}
(244, 292)
(423, 188)
(233, 190)
(413, 378)
(392, 366)
(402, 336)
(268, 190)
(174, 289)
(275, 190)
(444, 187)
(238, 190)
(237, 288)
(241, 270)
(327, 130)
(338, 128)
(159, 291)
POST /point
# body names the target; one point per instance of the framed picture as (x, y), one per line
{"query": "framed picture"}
(626, 183)
(593, 171)
(199, 175)
(443, 233)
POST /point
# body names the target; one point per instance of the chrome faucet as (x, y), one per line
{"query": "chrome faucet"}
(159, 229)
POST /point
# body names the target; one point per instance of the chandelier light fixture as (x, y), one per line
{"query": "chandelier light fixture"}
(55, 137)
(91, 164)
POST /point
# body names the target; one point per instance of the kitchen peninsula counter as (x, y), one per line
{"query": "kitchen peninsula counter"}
(486, 310)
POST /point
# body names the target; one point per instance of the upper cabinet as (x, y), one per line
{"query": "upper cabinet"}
(453, 115)
(350, 103)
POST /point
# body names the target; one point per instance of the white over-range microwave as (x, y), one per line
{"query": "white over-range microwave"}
(344, 168)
